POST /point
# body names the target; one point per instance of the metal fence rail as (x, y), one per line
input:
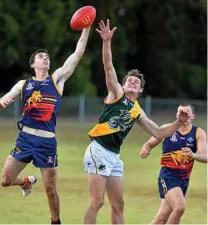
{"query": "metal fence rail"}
(85, 107)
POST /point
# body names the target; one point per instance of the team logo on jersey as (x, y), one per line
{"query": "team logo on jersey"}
(174, 138)
(190, 139)
(121, 122)
(45, 82)
(179, 159)
(125, 101)
(30, 86)
(35, 98)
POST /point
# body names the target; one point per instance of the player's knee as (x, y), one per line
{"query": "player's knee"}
(51, 192)
(180, 209)
(117, 206)
(97, 203)
(6, 181)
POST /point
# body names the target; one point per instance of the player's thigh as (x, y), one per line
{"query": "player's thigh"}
(114, 187)
(176, 198)
(12, 168)
(96, 186)
(163, 212)
(49, 177)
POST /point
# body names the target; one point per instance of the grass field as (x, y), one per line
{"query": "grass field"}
(141, 195)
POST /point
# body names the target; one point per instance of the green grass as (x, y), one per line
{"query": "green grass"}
(140, 180)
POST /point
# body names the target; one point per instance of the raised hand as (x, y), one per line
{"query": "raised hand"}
(183, 116)
(105, 32)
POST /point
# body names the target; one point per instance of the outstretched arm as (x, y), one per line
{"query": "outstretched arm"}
(114, 88)
(164, 131)
(9, 98)
(64, 72)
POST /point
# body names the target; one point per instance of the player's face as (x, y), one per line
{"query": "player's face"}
(133, 85)
(42, 61)
(189, 110)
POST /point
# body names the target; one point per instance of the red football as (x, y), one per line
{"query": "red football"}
(83, 17)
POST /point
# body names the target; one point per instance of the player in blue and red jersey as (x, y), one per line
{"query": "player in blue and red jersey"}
(179, 152)
(41, 97)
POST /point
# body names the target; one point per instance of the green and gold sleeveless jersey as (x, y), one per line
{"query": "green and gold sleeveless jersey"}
(115, 122)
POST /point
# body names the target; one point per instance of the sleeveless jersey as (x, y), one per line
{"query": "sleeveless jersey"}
(172, 161)
(41, 101)
(115, 122)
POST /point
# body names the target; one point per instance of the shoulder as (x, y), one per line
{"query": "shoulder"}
(112, 99)
(200, 133)
(20, 84)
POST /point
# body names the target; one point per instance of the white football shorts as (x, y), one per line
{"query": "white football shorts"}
(101, 161)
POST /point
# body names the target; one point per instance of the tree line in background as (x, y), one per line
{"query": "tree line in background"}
(165, 40)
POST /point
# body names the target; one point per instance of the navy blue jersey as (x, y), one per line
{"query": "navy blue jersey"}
(172, 161)
(41, 101)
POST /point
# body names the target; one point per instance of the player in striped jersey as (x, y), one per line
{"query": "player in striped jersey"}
(41, 97)
(179, 151)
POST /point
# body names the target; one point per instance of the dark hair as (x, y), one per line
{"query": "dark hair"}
(187, 104)
(134, 73)
(32, 57)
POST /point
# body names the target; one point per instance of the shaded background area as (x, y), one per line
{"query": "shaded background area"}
(166, 40)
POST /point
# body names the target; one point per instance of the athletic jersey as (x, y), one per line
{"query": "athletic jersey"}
(41, 101)
(172, 161)
(115, 122)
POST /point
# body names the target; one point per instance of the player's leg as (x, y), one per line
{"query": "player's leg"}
(10, 176)
(176, 198)
(49, 176)
(96, 187)
(20, 156)
(98, 166)
(12, 168)
(163, 212)
(165, 207)
(170, 189)
(115, 195)
(114, 188)
(45, 158)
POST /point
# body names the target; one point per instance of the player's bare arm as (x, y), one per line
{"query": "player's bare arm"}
(149, 145)
(64, 72)
(201, 154)
(114, 88)
(10, 97)
(161, 132)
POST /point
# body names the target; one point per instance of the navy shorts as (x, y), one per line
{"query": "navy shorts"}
(40, 150)
(165, 184)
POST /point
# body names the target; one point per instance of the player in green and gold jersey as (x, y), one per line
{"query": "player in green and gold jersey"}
(121, 111)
